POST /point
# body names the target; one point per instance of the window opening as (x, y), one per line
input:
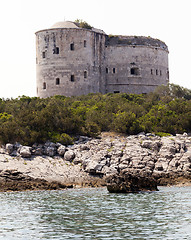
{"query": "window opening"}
(116, 91)
(85, 43)
(72, 78)
(106, 70)
(160, 73)
(113, 70)
(85, 74)
(43, 54)
(72, 46)
(57, 81)
(134, 71)
(167, 74)
(156, 72)
(44, 85)
(151, 72)
(56, 50)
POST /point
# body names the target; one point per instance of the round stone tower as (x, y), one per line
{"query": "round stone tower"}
(135, 64)
(73, 60)
(69, 60)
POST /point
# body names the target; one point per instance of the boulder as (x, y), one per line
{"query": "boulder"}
(50, 151)
(25, 151)
(130, 183)
(94, 167)
(69, 155)
(38, 151)
(9, 148)
(61, 150)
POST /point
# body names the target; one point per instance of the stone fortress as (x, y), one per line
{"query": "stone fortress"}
(73, 60)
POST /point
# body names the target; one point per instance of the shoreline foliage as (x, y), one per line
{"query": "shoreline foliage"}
(30, 119)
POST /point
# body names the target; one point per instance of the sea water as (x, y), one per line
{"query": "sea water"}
(94, 213)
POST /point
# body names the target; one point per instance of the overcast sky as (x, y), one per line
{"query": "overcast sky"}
(167, 20)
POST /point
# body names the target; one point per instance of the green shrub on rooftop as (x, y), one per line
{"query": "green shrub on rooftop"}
(83, 24)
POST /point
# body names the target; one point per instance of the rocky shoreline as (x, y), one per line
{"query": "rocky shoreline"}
(89, 162)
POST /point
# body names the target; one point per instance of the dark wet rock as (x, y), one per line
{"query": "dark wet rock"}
(13, 180)
(130, 183)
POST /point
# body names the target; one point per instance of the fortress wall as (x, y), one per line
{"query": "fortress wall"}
(74, 56)
(150, 66)
(75, 61)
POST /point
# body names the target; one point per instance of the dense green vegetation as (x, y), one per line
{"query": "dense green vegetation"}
(83, 24)
(59, 118)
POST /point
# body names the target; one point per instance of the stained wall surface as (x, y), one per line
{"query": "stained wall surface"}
(75, 61)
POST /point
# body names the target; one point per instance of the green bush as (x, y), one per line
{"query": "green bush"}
(83, 24)
(63, 138)
(162, 134)
(29, 120)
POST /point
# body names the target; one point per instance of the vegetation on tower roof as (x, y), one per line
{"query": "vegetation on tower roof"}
(83, 24)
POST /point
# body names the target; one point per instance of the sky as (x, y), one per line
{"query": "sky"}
(167, 20)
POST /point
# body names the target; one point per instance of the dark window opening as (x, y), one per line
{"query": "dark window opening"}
(116, 91)
(113, 70)
(156, 72)
(160, 73)
(72, 46)
(44, 85)
(85, 43)
(57, 81)
(151, 72)
(106, 70)
(43, 54)
(56, 50)
(134, 71)
(72, 78)
(85, 74)
(167, 74)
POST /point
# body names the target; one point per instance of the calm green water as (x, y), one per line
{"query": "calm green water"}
(96, 214)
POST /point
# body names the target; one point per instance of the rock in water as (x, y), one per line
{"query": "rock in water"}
(130, 183)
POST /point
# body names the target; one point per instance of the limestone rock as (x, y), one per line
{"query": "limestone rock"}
(69, 155)
(38, 151)
(50, 151)
(9, 148)
(61, 150)
(25, 151)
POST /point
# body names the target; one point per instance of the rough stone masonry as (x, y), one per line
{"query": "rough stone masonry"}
(71, 61)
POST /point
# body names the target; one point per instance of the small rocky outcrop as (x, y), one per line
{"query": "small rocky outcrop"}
(13, 180)
(130, 183)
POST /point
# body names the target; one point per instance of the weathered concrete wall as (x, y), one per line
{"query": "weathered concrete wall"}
(77, 61)
(69, 62)
(135, 69)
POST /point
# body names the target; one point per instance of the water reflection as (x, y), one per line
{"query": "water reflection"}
(96, 214)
